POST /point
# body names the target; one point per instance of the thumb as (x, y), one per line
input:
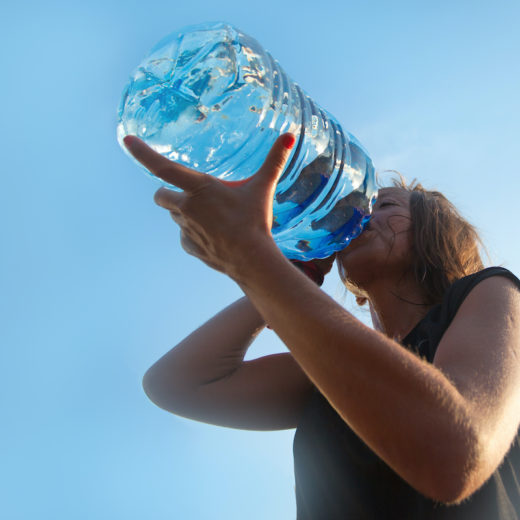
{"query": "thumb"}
(275, 161)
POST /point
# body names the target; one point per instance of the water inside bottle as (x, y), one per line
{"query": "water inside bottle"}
(211, 98)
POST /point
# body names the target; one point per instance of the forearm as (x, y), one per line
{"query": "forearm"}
(211, 352)
(399, 405)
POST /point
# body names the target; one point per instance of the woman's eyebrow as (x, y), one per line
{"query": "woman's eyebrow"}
(384, 198)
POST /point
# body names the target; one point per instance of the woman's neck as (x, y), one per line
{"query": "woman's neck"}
(396, 310)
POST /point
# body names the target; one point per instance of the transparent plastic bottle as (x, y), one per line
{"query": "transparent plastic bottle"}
(210, 97)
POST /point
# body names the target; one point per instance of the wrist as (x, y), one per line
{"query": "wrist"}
(255, 255)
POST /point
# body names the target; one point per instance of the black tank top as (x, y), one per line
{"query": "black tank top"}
(338, 477)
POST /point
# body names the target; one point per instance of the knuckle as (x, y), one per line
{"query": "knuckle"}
(159, 197)
(185, 242)
(177, 217)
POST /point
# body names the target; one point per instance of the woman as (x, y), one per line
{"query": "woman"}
(417, 419)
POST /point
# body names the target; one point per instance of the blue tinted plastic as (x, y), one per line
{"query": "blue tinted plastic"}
(211, 98)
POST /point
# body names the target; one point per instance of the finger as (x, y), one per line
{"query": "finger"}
(275, 161)
(177, 218)
(168, 199)
(194, 250)
(169, 171)
(234, 183)
(324, 264)
(190, 246)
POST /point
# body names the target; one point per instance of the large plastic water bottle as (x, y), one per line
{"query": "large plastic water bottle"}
(210, 97)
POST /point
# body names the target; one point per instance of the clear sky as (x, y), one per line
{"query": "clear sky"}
(94, 284)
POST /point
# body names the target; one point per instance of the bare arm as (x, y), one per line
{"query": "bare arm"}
(480, 355)
(205, 377)
(373, 382)
(377, 386)
(212, 352)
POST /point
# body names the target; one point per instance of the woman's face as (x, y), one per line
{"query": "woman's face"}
(384, 249)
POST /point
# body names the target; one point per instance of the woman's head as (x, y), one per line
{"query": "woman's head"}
(436, 248)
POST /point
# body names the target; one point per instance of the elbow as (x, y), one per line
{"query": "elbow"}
(155, 387)
(149, 384)
(458, 473)
(164, 390)
(452, 491)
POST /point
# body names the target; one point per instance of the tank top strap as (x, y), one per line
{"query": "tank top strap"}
(460, 289)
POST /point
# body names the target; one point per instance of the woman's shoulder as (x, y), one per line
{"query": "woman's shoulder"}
(460, 289)
(487, 273)
(425, 337)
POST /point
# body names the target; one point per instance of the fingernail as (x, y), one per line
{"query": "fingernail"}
(289, 140)
(234, 183)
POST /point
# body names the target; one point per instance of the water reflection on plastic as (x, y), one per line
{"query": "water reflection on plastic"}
(210, 97)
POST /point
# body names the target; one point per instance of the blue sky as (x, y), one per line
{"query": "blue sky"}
(94, 284)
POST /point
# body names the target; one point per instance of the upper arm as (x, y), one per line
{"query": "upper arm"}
(268, 393)
(480, 354)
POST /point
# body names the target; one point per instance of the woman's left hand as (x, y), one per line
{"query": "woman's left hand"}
(221, 222)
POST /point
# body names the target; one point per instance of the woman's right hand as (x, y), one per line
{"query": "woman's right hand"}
(317, 268)
(325, 264)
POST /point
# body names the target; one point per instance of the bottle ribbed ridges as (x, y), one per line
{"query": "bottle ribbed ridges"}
(212, 98)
